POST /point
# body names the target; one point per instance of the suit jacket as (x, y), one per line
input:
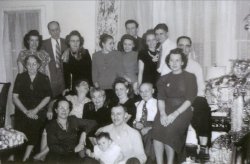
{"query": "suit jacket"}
(56, 74)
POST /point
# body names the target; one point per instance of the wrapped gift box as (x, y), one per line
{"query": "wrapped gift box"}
(10, 138)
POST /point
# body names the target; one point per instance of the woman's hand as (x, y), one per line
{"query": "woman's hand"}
(136, 88)
(23, 135)
(65, 91)
(164, 120)
(172, 117)
(49, 115)
(31, 115)
(99, 131)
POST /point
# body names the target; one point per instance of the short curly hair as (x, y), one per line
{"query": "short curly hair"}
(180, 52)
(94, 90)
(27, 38)
(38, 60)
(126, 83)
(129, 37)
(60, 100)
(74, 33)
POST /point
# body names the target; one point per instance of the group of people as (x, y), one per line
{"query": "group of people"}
(121, 106)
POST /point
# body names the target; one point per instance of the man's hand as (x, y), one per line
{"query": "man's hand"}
(139, 125)
(144, 131)
(79, 147)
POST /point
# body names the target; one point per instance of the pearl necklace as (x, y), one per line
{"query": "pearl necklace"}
(154, 57)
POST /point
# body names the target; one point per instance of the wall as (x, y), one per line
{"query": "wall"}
(73, 15)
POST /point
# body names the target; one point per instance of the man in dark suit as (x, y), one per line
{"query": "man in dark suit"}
(132, 29)
(55, 46)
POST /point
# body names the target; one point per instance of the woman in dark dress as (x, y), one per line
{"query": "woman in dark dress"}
(124, 92)
(76, 59)
(80, 104)
(176, 92)
(147, 61)
(62, 134)
(31, 94)
(99, 109)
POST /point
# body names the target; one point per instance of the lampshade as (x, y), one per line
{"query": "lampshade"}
(215, 71)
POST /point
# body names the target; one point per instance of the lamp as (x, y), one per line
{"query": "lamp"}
(215, 72)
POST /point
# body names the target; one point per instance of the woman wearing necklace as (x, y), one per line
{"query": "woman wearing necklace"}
(31, 94)
(33, 42)
(147, 61)
(76, 60)
(62, 134)
(81, 104)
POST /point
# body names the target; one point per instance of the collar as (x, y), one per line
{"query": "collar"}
(166, 41)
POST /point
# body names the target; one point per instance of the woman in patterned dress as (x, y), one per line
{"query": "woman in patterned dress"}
(33, 42)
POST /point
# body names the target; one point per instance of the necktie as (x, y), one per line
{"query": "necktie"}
(144, 114)
(159, 51)
(58, 54)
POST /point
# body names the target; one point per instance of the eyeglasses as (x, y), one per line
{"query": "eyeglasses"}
(181, 45)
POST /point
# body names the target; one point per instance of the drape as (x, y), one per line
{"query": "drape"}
(16, 25)
(216, 27)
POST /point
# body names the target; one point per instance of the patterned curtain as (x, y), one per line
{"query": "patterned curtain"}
(107, 19)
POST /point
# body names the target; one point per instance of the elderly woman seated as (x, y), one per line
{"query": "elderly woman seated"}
(62, 134)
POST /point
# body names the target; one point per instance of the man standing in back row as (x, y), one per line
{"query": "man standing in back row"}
(55, 46)
(201, 120)
(166, 45)
(132, 29)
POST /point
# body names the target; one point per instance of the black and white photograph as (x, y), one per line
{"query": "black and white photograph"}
(125, 81)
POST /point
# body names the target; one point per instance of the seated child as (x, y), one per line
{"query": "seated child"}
(146, 110)
(106, 151)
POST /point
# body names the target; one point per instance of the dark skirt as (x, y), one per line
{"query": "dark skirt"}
(30, 127)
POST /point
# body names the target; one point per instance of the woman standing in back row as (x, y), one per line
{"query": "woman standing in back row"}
(106, 65)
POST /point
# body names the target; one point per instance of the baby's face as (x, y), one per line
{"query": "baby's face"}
(104, 143)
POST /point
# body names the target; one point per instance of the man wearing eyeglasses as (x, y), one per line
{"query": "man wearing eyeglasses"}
(201, 120)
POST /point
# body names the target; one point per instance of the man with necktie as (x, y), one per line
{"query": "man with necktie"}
(55, 46)
(166, 45)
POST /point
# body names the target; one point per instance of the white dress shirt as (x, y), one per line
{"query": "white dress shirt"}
(54, 43)
(151, 107)
(166, 46)
(195, 68)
